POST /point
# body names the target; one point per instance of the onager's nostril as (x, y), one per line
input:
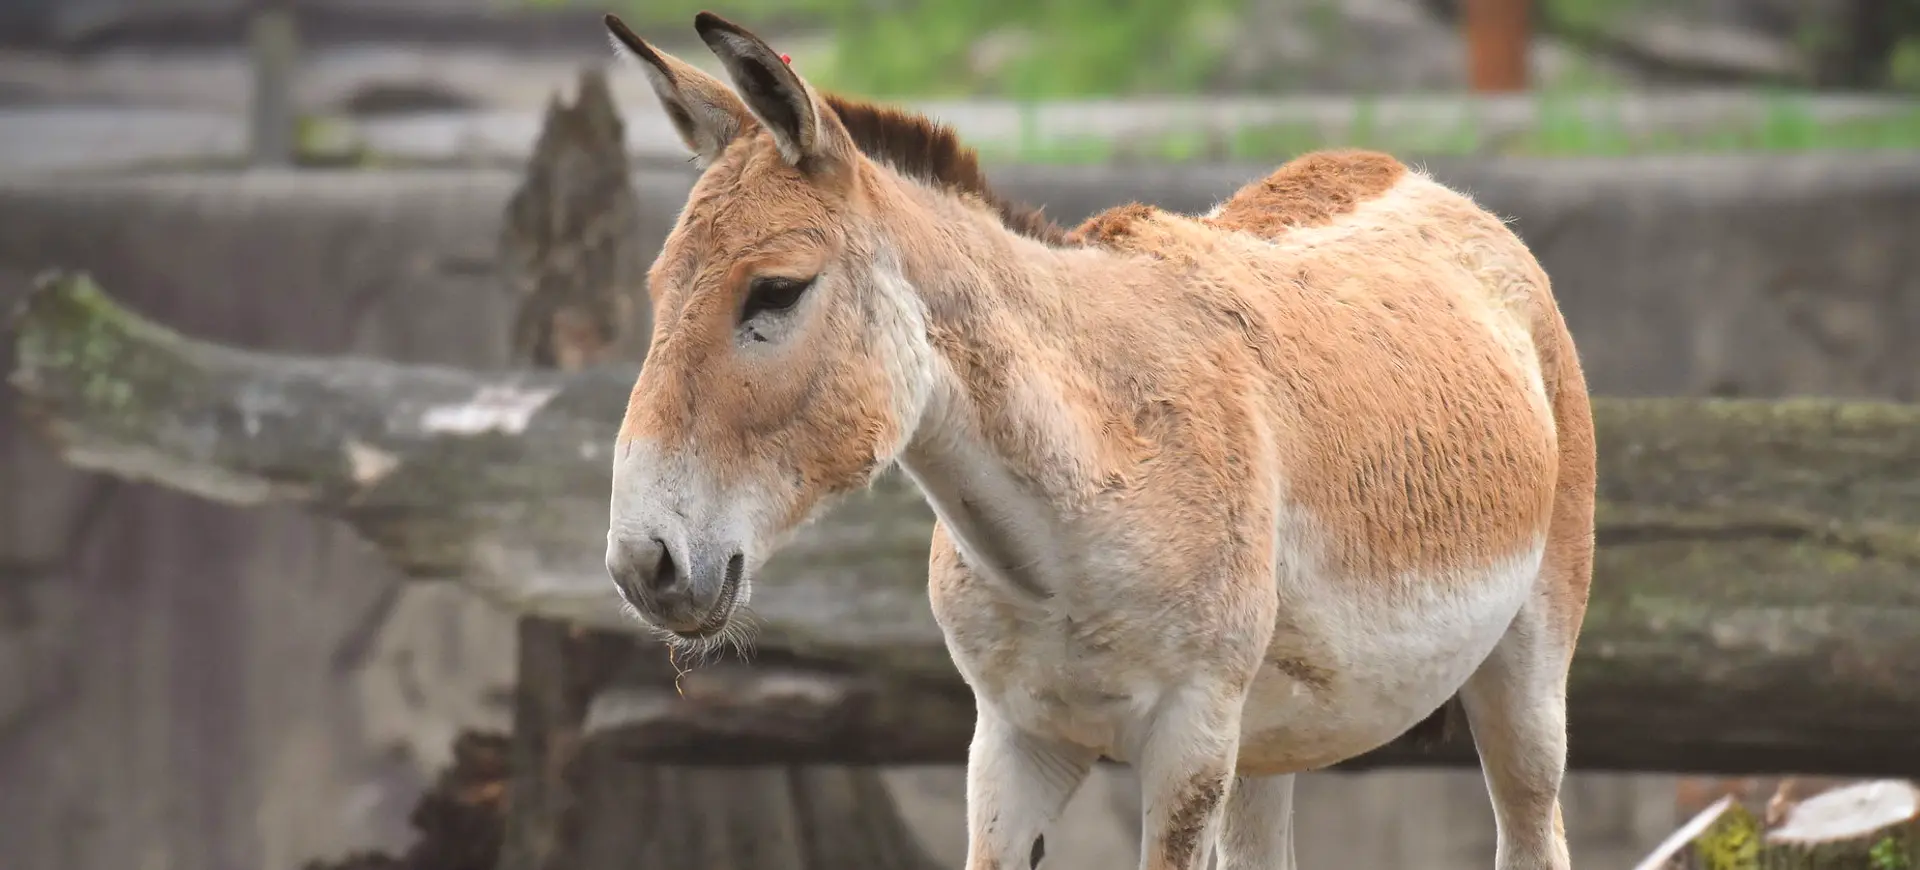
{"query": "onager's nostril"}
(664, 572)
(643, 570)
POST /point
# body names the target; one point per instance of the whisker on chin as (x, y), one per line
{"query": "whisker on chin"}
(695, 647)
(704, 650)
(675, 642)
(750, 625)
(740, 633)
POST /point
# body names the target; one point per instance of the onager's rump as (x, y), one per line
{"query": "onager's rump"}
(1226, 497)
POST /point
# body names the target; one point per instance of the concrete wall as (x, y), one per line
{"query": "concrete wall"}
(216, 689)
(188, 685)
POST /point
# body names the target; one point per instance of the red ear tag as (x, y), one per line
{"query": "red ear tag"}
(787, 59)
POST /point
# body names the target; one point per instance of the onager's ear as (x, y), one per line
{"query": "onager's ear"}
(802, 127)
(706, 113)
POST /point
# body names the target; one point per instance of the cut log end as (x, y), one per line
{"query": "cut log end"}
(1869, 825)
(1863, 826)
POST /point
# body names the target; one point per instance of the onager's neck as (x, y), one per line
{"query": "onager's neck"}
(1008, 447)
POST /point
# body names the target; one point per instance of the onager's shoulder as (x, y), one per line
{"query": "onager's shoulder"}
(1139, 228)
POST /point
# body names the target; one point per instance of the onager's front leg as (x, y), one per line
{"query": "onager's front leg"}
(1186, 773)
(1017, 784)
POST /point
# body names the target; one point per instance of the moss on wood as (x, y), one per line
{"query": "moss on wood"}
(1756, 604)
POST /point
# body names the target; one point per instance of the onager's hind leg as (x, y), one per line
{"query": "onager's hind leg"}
(1516, 704)
(1017, 784)
(1258, 831)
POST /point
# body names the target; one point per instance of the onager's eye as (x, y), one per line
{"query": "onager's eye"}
(773, 294)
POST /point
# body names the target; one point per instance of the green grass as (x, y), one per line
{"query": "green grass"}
(927, 48)
(1078, 48)
(1785, 125)
(1067, 49)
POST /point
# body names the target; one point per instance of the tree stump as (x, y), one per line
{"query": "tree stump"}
(568, 244)
(575, 802)
(1871, 825)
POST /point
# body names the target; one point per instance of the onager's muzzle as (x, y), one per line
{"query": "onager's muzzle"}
(692, 596)
(677, 550)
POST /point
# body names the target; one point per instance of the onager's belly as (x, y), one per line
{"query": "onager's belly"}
(1350, 673)
(1348, 669)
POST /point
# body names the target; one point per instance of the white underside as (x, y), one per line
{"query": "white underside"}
(1397, 664)
(1392, 667)
(1392, 650)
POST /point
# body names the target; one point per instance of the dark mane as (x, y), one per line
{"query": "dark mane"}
(920, 148)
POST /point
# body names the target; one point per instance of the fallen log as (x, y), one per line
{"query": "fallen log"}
(1756, 607)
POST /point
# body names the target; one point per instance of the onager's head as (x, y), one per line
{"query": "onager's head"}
(790, 361)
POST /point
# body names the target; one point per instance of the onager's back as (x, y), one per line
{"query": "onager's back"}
(1225, 497)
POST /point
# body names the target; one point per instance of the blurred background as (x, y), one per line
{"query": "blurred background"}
(1725, 192)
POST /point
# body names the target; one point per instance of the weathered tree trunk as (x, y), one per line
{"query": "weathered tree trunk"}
(563, 247)
(1756, 607)
(570, 243)
(609, 808)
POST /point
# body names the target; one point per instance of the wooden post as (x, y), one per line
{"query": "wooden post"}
(1498, 33)
(274, 48)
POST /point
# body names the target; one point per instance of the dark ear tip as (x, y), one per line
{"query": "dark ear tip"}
(709, 24)
(628, 38)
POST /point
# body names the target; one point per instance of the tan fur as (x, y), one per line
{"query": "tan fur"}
(1371, 448)
(1224, 497)
(696, 299)
(1312, 190)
